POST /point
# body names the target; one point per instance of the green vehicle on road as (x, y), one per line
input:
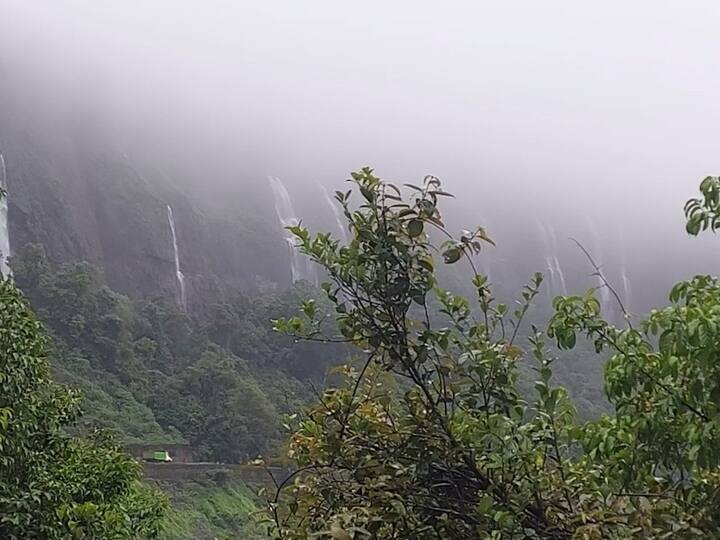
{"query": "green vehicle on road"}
(160, 456)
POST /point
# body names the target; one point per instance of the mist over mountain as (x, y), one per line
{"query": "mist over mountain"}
(545, 128)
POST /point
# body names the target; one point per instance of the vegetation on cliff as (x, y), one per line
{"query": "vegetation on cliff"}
(219, 381)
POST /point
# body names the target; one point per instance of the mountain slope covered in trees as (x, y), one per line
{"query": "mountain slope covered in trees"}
(152, 373)
(431, 430)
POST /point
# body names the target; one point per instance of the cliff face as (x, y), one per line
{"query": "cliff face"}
(87, 204)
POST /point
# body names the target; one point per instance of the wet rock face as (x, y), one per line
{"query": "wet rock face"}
(90, 187)
(100, 208)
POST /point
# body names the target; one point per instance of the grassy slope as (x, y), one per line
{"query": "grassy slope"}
(208, 510)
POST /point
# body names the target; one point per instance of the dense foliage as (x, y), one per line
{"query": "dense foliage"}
(219, 381)
(429, 437)
(52, 485)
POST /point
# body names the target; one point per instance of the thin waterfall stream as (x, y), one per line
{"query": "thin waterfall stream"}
(4, 229)
(179, 276)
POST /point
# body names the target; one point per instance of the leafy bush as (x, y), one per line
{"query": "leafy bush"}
(430, 437)
(52, 485)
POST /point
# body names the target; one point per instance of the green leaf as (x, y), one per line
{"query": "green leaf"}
(415, 228)
(452, 255)
(367, 193)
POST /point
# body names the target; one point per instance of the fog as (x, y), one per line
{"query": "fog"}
(584, 117)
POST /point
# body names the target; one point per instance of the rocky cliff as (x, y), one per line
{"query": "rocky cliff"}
(99, 206)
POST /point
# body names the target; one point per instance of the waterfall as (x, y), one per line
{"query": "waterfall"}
(556, 262)
(627, 290)
(626, 287)
(336, 212)
(549, 270)
(300, 266)
(182, 295)
(597, 255)
(556, 276)
(550, 267)
(4, 231)
(560, 274)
